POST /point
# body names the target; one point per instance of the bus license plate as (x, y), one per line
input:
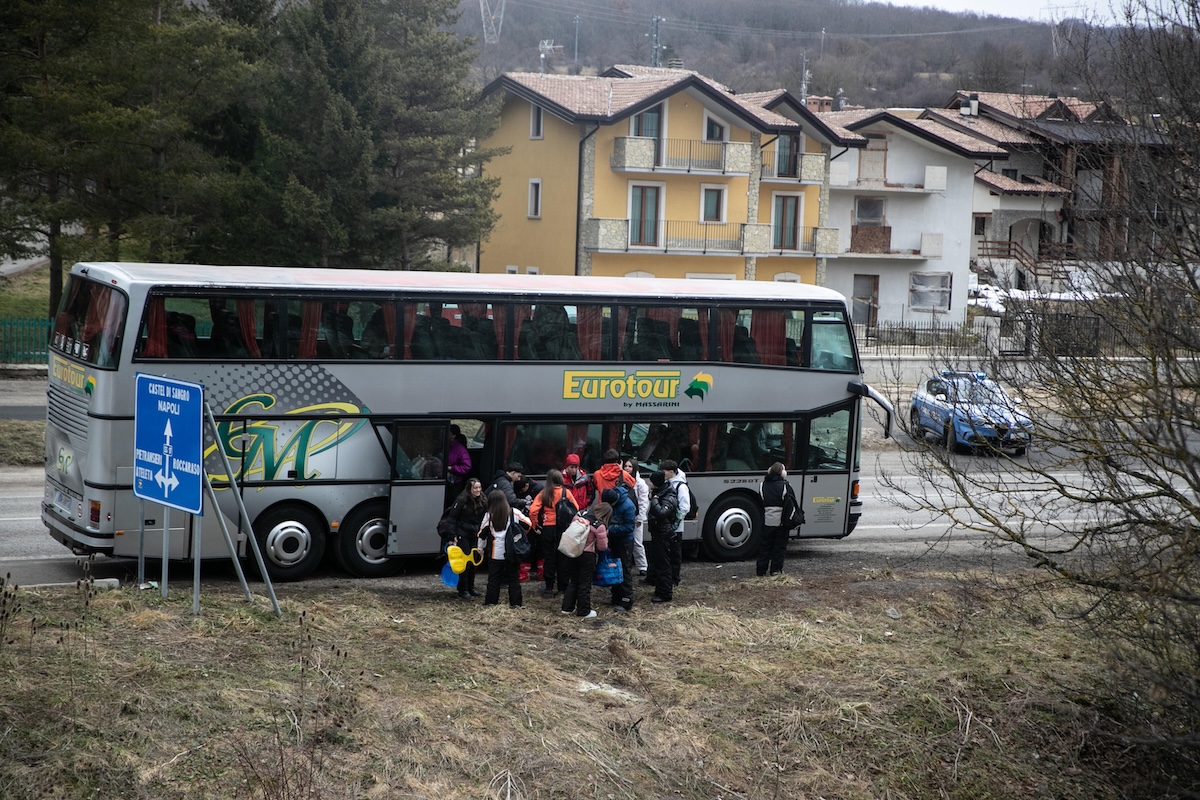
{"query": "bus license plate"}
(62, 501)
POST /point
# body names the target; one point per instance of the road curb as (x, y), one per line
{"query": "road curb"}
(99, 583)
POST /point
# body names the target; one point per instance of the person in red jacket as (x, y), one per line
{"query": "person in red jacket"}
(578, 482)
(610, 473)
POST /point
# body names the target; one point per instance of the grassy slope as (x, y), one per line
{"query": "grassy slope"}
(22, 296)
(759, 688)
(26, 294)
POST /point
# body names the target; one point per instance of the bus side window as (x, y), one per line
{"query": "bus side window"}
(691, 346)
(181, 335)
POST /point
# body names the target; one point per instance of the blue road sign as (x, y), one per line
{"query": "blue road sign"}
(168, 442)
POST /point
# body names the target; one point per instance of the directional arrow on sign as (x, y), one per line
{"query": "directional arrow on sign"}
(164, 477)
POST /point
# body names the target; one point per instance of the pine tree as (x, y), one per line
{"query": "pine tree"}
(430, 195)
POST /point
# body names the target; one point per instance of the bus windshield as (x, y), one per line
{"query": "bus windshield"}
(89, 322)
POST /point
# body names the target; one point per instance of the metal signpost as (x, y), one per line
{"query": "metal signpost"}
(168, 452)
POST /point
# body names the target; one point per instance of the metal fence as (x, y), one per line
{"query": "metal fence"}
(24, 341)
(1046, 334)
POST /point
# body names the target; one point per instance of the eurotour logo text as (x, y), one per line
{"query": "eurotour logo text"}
(640, 388)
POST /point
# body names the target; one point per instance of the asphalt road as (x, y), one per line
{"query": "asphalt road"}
(22, 397)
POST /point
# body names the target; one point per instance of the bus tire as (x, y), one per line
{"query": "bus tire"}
(732, 527)
(362, 542)
(292, 541)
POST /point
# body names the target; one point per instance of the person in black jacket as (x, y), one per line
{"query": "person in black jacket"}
(463, 519)
(505, 481)
(781, 513)
(660, 524)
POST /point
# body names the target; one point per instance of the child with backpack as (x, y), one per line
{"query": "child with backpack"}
(501, 524)
(551, 512)
(620, 542)
(579, 571)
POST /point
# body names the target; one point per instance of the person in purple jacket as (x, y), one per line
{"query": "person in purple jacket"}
(458, 460)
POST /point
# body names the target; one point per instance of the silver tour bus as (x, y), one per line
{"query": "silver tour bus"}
(334, 392)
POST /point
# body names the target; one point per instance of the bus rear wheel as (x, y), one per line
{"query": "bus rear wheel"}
(292, 541)
(732, 529)
(362, 542)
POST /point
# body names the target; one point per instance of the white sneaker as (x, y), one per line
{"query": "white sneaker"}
(590, 615)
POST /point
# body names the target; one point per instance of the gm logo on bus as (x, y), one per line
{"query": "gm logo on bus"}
(638, 389)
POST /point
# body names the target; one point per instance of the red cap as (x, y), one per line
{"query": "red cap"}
(572, 460)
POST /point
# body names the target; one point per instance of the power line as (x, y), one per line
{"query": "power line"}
(583, 10)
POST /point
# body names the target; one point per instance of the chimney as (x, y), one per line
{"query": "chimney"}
(964, 107)
(974, 101)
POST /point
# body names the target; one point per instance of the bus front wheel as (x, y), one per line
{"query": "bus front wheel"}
(731, 529)
(362, 542)
(292, 541)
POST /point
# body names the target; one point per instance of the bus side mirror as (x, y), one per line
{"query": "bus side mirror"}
(863, 390)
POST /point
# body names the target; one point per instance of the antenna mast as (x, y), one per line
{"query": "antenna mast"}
(493, 21)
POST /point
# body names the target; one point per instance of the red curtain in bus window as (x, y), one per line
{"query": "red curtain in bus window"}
(589, 325)
(156, 329)
(510, 438)
(726, 320)
(521, 315)
(768, 329)
(389, 327)
(309, 324)
(694, 449)
(245, 310)
(702, 317)
(97, 309)
(622, 321)
(712, 447)
(410, 324)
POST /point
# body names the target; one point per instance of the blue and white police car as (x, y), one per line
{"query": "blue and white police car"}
(969, 410)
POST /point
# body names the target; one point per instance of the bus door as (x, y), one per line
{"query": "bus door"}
(418, 486)
(825, 459)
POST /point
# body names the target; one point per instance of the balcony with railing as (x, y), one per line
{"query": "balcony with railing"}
(675, 237)
(646, 154)
(791, 167)
(876, 241)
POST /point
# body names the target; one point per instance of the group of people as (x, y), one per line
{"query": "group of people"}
(619, 508)
(639, 522)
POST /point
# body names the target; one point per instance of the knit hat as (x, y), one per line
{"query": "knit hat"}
(658, 479)
(572, 460)
(610, 496)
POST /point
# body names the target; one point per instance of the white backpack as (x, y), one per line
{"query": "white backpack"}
(575, 537)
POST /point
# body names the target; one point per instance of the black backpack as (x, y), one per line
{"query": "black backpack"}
(630, 491)
(564, 512)
(693, 506)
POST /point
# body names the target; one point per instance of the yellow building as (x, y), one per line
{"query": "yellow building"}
(645, 171)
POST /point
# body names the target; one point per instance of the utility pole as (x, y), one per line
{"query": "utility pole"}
(804, 76)
(654, 60)
(576, 38)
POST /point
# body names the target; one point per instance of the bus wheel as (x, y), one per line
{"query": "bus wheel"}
(362, 542)
(292, 541)
(731, 529)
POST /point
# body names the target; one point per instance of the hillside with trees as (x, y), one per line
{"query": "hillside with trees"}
(877, 54)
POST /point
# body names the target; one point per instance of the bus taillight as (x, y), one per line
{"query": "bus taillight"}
(94, 511)
(854, 490)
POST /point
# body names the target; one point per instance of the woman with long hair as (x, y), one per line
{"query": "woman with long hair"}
(545, 515)
(502, 565)
(463, 520)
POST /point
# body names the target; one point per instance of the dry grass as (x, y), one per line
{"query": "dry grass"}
(22, 443)
(884, 690)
